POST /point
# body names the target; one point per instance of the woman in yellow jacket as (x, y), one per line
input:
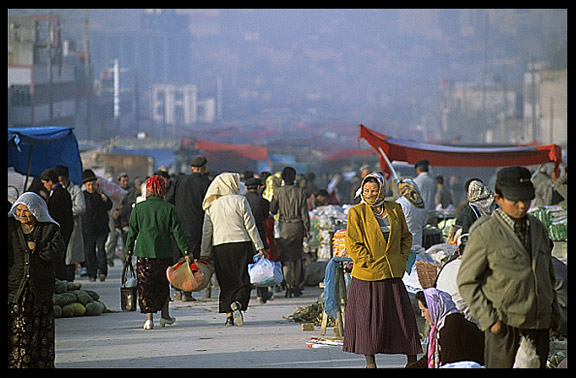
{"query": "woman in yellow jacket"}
(379, 314)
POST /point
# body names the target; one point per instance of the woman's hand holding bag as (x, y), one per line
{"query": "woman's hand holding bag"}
(189, 275)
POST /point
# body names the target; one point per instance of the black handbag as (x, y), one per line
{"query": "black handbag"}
(128, 295)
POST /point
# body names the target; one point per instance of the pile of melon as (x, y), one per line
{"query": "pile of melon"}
(70, 300)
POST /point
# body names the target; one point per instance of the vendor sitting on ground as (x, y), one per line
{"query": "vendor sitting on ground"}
(452, 338)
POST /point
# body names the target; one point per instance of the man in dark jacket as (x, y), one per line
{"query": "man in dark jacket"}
(289, 202)
(95, 226)
(187, 193)
(261, 210)
(60, 209)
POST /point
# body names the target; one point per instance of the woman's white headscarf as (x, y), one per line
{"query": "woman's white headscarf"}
(37, 206)
(481, 197)
(223, 185)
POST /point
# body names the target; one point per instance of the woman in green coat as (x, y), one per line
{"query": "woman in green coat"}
(152, 223)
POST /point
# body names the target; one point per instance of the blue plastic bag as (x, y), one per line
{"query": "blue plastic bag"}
(265, 272)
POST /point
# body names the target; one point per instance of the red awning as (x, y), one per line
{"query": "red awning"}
(454, 156)
(244, 150)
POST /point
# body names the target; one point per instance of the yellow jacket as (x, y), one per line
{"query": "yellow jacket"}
(375, 258)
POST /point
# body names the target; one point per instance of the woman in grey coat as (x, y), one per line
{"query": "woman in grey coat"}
(289, 202)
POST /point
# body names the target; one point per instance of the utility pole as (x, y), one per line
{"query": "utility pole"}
(116, 89)
(551, 120)
(485, 65)
(534, 133)
(219, 98)
(505, 120)
(87, 78)
(49, 67)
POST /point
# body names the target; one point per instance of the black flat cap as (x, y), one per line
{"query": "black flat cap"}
(62, 170)
(515, 183)
(198, 161)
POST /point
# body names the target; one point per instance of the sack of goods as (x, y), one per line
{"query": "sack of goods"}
(193, 276)
(265, 272)
(129, 288)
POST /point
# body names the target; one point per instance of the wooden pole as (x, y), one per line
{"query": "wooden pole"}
(29, 167)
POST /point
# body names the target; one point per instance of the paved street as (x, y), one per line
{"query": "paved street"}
(199, 338)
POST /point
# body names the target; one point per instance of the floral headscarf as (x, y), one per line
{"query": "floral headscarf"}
(379, 200)
(409, 190)
(37, 206)
(439, 304)
(223, 185)
(481, 198)
(156, 187)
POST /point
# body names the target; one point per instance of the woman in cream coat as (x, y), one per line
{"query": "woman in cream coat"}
(379, 314)
(228, 233)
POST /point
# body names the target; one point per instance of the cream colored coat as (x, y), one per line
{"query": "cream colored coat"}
(228, 217)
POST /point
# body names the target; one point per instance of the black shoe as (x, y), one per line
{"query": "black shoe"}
(288, 293)
(297, 292)
(229, 321)
(187, 297)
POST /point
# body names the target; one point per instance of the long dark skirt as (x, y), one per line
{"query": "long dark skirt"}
(380, 319)
(30, 333)
(231, 266)
(153, 286)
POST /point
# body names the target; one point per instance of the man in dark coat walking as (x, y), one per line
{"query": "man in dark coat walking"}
(95, 226)
(260, 208)
(187, 193)
(60, 209)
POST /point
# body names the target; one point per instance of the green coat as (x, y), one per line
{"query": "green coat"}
(152, 222)
(498, 278)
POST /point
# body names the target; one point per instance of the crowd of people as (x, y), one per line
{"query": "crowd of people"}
(479, 308)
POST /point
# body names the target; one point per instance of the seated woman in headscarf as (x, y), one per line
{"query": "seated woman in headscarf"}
(152, 224)
(481, 202)
(228, 232)
(452, 338)
(34, 244)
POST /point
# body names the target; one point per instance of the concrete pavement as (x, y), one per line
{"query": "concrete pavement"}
(199, 338)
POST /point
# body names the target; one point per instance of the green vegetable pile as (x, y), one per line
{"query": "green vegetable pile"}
(311, 314)
(71, 301)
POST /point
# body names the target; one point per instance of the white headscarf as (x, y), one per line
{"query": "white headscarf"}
(37, 206)
(223, 185)
(481, 197)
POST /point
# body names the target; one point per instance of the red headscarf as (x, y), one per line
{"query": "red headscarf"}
(156, 187)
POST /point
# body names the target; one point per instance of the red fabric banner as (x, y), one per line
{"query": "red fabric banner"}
(244, 150)
(454, 156)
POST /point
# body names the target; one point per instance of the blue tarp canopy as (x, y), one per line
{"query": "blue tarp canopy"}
(31, 150)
